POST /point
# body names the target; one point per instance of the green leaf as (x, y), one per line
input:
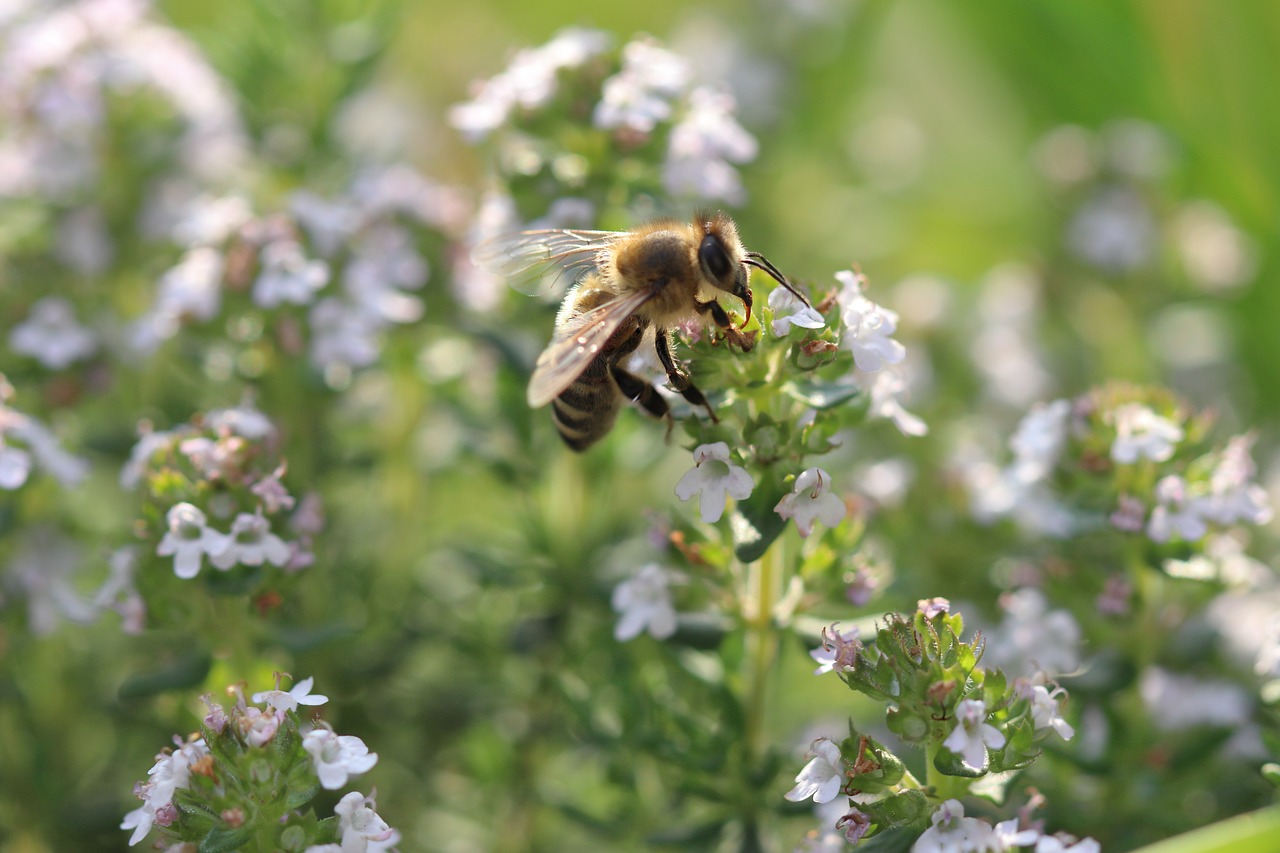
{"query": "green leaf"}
(1250, 833)
(823, 395)
(222, 839)
(756, 525)
(898, 840)
(951, 764)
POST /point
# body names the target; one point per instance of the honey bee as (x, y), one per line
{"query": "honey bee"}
(656, 277)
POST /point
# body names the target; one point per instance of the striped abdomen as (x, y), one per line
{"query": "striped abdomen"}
(585, 412)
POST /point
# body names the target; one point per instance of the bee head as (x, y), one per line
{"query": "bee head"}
(722, 259)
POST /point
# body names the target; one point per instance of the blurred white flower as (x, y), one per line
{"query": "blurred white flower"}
(527, 83)
(43, 572)
(250, 543)
(41, 447)
(639, 95)
(644, 602)
(287, 275)
(1141, 433)
(1176, 514)
(1215, 253)
(703, 144)
(1038, 440)
(51, 335)
(1177, 701)
(1114, 230)
(884, 386)
(244, 421)
(716, 478)
(1032, 637)
(189, 539)
(867, 327)
(823, 777)
(337, 757)
(1233, 495)
(342, 336)
(812, 499)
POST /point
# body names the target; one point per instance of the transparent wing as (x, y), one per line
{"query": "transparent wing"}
(527, 259)
(578, 342)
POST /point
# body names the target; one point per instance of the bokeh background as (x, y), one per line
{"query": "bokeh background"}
(1050, 194)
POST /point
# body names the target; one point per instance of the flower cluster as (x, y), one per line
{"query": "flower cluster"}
(1138, 448)
(348, 265)
(655, 128)
(243, 780)
(25, 443)
(970, 720)
(222, 466)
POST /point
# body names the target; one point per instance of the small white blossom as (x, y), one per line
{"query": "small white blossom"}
(287, 275)
(342, 336)
(1045, 713)
(140, 456)
(51, 335)
(1141, 433)
(644, 602)
(789, 311)
(189, 539)
(703, 144)
(884, 387)
(973, 734)
(1176, 514)
(244, 420)
(716, 478)
(811, 500)
(1178, 701)
(363, 831)
(823, 777)
(251, 543)
(1038, 441)
(867, 326)
(1063, 843)
(838, 650)
(337, 757)
(171, 772)
(284, 701)
(952, 832)
(638, 96)
(1033, 637)
(1233, 495)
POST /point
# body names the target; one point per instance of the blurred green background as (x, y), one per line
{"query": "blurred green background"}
(922, 141)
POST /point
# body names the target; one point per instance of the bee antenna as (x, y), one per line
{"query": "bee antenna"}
(760, 262)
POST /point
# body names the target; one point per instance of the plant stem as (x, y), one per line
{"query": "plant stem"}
(764, 579)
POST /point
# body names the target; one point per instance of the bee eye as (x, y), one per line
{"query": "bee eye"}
(714, 259)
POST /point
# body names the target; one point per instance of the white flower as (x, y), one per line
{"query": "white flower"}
(245, 421)
(193, 288)
(884, 387)
(952, 832)
(337, 757)
(1038, 441)
(823, 777)
(789, 311)
(251, 543)
(65, 468)
(287, 275)
(171, 771)
(362, 830)
(140, 456)
(838, 648)
(811, 499)
(1044, 705)
(1140, 432)
(638, 96)
(341, 336)
(188, 540)
(867, 326)
(973, 734)
(1233, 496)
(703, 144)
(1114, 230)
(1067, 844)
(15, 466)
(1176, 514)
(51, 335)
(300, 695)
(528, 82)
(1031, 636)
(716, 478)
(644, 602)
(1183, 701)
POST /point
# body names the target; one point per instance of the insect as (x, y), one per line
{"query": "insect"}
(654, 278)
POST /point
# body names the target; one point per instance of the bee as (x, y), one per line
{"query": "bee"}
(661, 275)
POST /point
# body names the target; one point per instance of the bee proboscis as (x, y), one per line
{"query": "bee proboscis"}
(656, 277)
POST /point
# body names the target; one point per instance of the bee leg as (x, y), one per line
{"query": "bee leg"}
(717, 313)
(679, 379)
(638, 391)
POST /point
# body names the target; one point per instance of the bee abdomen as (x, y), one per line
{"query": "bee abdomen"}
(584, 413)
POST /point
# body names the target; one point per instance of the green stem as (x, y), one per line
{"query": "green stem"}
(763, 582)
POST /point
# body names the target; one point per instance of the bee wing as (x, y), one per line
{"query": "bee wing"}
(526, 257)
(576, 343)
